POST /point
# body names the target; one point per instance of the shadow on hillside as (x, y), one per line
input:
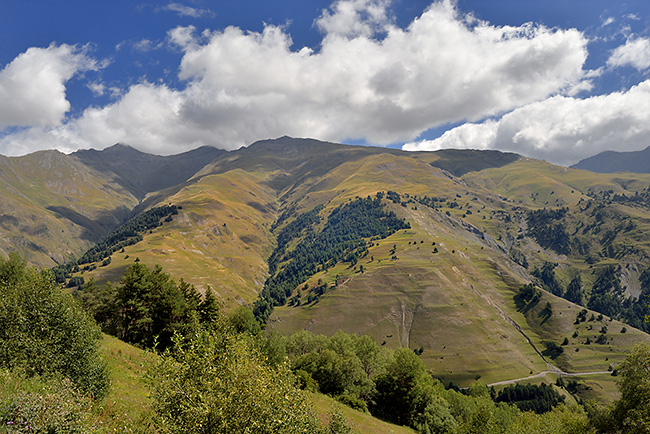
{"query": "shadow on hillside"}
(93, 230)
(459, 161)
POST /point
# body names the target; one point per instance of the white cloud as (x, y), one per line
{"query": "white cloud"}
(187, 11)
(635, 53)
(354, 18)
(145, 45)
(560, 129)
(183, 37)
(32, 86)
(369, 80)
(98, 89)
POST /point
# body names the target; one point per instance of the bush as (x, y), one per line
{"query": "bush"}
(44, 331)
(50, 407)
(218, 383)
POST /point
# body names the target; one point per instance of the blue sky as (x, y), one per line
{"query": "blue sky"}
(559, 80)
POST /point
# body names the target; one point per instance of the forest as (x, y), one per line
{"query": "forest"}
(222, 373)
(342, 238)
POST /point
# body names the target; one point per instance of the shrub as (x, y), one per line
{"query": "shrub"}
(43, 407)
(218, 383)
(44, 331)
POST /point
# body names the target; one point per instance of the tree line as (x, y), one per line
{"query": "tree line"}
(343, 238)
(125, 235)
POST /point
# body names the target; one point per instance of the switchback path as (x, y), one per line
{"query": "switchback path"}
(543, 373)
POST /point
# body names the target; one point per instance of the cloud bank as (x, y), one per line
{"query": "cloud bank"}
(368, 80)
(560, 129)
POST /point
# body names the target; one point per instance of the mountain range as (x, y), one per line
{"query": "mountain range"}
(479, 225)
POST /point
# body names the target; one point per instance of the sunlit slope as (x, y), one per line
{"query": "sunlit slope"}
(539, 184)
(54, 207)
(454, 303)
(220, 237)
(593, 219)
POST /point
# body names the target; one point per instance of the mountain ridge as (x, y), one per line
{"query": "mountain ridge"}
(615, 161)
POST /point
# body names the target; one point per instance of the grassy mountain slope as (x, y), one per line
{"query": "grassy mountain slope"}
(219, 238)
(54, 207)
(446, 285)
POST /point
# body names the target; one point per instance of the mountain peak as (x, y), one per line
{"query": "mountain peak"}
(614, 161)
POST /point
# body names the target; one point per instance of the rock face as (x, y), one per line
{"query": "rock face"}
(612, 161)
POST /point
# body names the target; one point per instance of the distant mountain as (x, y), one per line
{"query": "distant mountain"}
(613, 161)
(141, 173)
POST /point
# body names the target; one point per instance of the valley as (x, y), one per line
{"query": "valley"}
(480, 227)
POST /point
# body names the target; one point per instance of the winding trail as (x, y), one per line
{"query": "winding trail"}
(552, 369)
(543, 373)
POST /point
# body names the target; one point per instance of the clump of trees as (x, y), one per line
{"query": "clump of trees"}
(531, 397)
(148, 307)
(547, 277)
(394, 385)
(527, 297)
(548, 228)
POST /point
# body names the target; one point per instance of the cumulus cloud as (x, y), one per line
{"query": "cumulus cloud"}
(560, 129)
(32, 86)
(635, 53)
(354, 18)
(368, 80)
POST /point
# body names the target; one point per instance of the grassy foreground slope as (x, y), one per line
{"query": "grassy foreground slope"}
(128, 402)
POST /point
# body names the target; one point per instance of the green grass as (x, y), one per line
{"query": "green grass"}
(364, 423)
(128, 401)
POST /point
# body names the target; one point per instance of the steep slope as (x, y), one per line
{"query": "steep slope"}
(141, 173)
(54, 207)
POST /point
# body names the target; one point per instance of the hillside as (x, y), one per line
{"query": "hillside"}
(481, 225)
(612, 161)
(53, 206)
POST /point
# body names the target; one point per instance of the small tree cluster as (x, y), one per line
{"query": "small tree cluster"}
(147, 307)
